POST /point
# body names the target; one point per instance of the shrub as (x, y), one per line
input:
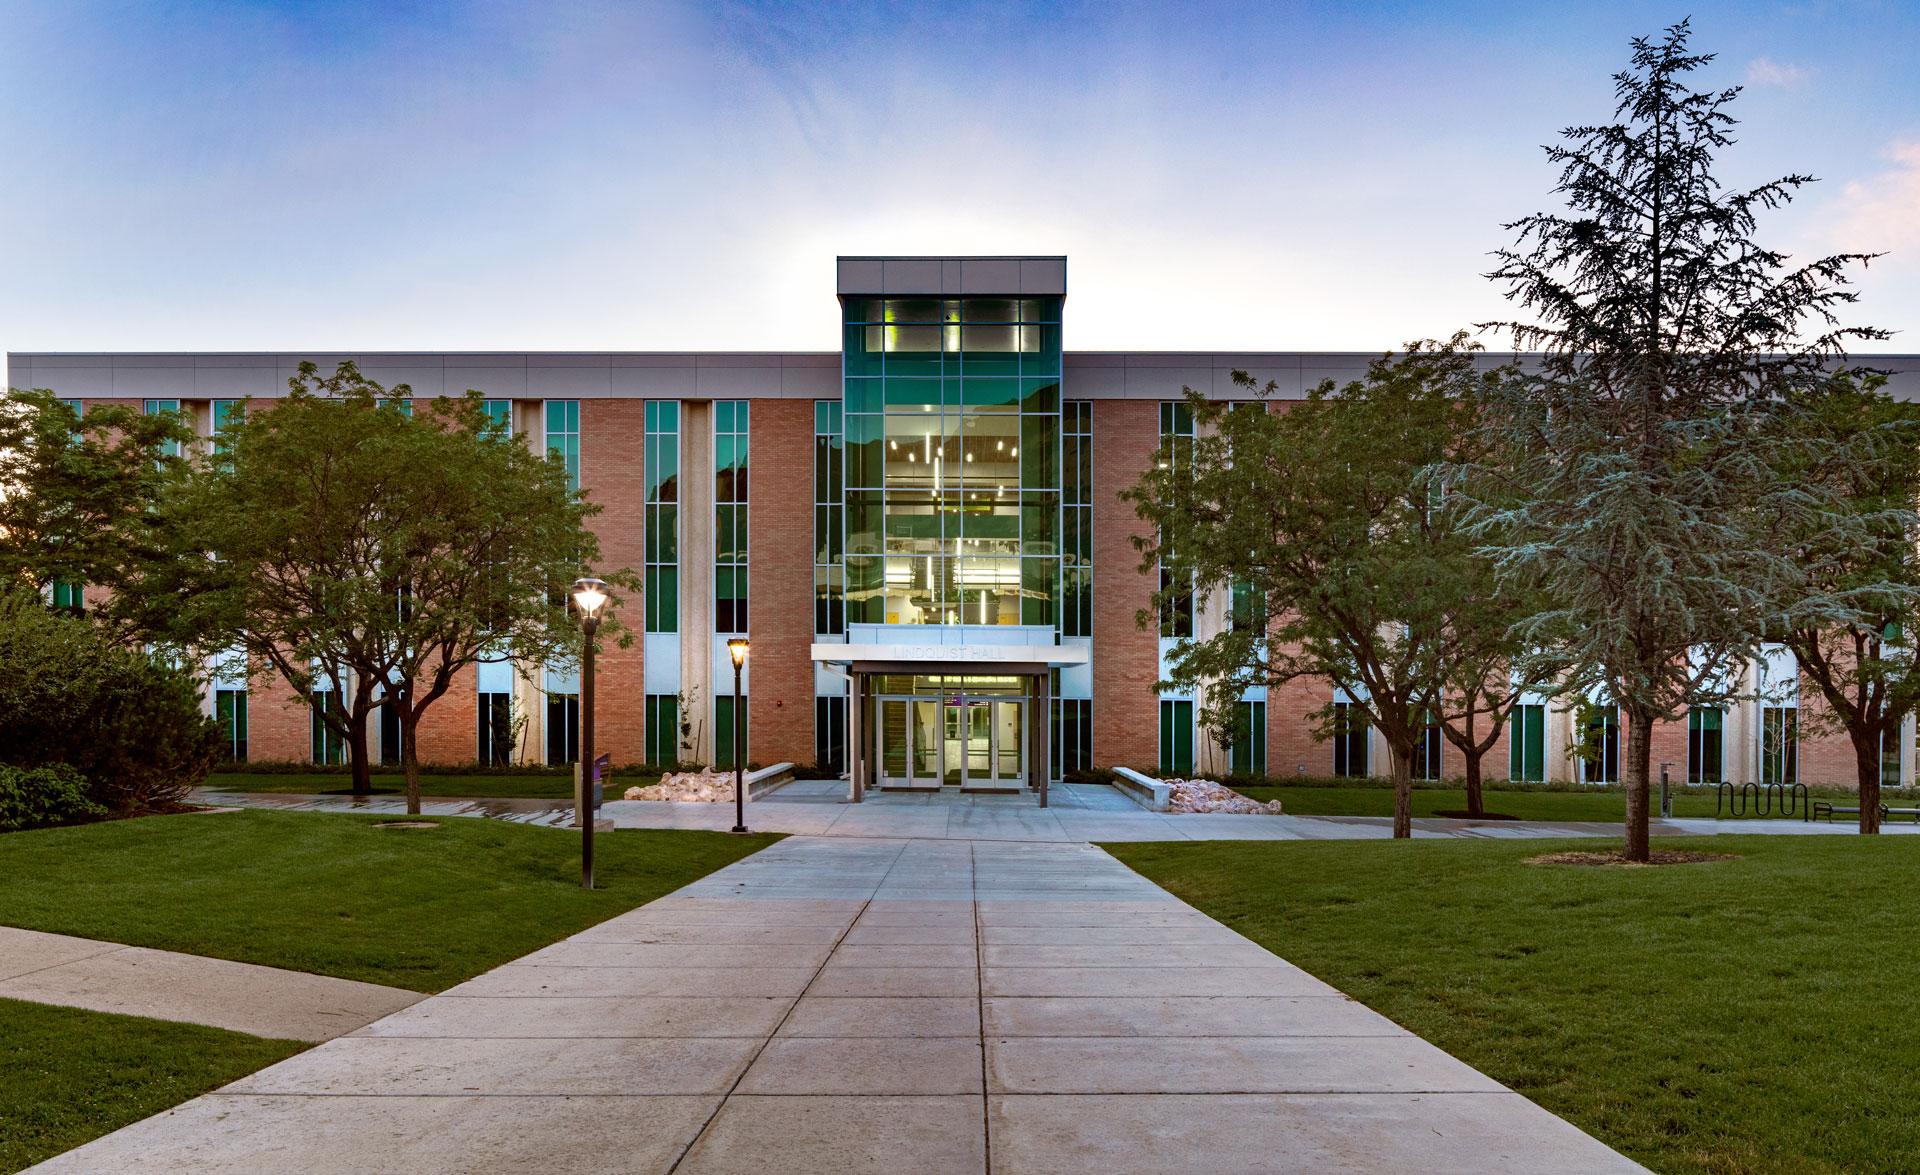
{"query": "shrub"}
(37, 797)
(128, 721)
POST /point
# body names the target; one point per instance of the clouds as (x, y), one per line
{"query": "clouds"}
(1765, 71)
(1882, 212)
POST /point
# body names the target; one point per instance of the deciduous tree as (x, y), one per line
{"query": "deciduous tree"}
(1325, 514)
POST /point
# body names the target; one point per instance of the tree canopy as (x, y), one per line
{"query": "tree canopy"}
(1322, 511)
(1634, 476)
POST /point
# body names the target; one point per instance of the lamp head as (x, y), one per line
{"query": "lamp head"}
(737, 649)
(589, 595)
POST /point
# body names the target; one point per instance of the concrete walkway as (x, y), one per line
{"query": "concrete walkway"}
(819, 807)
(166, 985)
(863, 1004)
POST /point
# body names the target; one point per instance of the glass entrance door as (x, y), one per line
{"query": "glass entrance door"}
(959, 739)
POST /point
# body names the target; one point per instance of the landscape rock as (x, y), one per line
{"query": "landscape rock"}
(1204, 795)
(700, 787)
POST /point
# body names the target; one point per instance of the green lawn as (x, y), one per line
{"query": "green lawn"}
(476, 787)
(73, 1075)
(1523, 805)
(337, 895)
(1745, 1015)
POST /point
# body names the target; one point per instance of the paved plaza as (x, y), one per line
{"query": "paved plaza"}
(867, 1004)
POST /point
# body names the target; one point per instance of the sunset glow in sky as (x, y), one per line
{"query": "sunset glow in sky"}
(202, 176)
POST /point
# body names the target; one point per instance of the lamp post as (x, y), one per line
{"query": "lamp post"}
(737, 649)
(589, 596)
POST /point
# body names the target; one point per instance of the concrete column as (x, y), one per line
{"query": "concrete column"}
(856, 738)
(696, 573)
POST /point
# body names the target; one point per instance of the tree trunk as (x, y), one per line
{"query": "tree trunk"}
(1476, 806)
(1866, 762)
(1639, 762)
(358, 761)
(1402, 792)
(410, 759)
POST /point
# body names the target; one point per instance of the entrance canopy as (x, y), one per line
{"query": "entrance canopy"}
(902, 657)
(932, 716)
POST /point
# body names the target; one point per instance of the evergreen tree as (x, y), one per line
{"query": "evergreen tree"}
(1636, 471)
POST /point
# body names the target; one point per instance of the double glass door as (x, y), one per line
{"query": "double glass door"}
(958, 739)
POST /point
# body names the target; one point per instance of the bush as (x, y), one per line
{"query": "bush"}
(127, 721)
(37, 797)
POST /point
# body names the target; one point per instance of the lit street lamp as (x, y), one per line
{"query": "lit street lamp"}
(737, 649)
(589, 596)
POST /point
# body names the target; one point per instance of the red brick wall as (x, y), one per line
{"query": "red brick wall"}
(449, 729)
(612, 447)
(780, 578)
(1290, 740)
(1126, 659)
(1826, 757)
(279, 724)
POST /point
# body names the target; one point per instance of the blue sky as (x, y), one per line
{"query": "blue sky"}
(185, 176)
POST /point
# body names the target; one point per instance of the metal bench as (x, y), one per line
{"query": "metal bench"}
(1823, 808)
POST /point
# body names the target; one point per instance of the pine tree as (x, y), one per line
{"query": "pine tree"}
(1636, 469)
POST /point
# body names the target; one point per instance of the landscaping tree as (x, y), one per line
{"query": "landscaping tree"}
(1634, 473)
(127, 721)
(484, 551)
(1480, 659)
(77, 493)
(1324, 514)
(353, 545)
(1853, 616)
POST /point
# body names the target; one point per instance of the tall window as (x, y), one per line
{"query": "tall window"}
(1527, 744)
(829, 521)
(1076, 517)
(493, 729)
(1706, 747)
(661, 456)
(1779, 744)
(230, 711)
(1350, 741)
(563, 728)
(69, 596)
(663, 729)
(1072, 742)
(723, 732)
(1176, 737)
(830, 733)
(1176, 449)
(499, 414)
(1426, 754)
(1600, 744)
(223, 414)
(1249, 751)
(730, 516)
(1890, 759)
(390, 735)
(563, 437)
(328, 748)
(160, 407)
(952, 460)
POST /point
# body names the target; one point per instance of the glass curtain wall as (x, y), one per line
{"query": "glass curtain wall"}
(952, 460)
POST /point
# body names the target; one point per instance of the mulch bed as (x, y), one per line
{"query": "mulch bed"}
(1657, 857)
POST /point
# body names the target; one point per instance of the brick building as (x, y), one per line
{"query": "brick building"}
(919, 534)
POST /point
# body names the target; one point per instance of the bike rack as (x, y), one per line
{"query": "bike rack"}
(1784, 799)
